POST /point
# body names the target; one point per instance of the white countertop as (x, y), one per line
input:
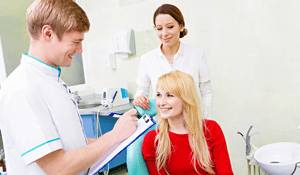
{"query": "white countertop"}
(104, 111)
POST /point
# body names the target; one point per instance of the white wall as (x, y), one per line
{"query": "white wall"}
(2, 65)
(253, 52)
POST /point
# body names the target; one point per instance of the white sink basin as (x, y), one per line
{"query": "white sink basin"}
(279, 158)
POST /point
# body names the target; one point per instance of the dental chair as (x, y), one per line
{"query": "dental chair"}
(136, 164)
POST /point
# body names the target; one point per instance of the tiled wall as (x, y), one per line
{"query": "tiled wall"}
(253, 52)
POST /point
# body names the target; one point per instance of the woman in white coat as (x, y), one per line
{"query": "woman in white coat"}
(172, 55)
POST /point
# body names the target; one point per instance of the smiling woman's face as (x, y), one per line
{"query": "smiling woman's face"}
(168, 29)
(169, 105)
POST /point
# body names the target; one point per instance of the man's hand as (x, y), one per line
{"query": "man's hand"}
(125, 126)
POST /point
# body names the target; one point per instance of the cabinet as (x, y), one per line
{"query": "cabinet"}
(106, 124)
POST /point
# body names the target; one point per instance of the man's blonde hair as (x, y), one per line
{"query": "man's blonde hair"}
(182, 85)
(62, 15)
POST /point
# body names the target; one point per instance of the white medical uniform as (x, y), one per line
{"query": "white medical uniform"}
(188, 59)
(37, 116)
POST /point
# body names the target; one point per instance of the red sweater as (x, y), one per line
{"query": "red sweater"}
(180, 160)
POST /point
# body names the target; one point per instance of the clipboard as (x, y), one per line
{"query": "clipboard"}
(144, 123)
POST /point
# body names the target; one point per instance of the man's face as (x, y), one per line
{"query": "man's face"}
(64, 49)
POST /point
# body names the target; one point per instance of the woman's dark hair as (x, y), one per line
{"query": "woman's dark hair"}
(174, 12)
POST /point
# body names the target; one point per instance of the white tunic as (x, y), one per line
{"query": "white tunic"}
(188, 59)
(37, 116)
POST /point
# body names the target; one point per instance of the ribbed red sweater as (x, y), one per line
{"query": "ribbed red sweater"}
(180, 160)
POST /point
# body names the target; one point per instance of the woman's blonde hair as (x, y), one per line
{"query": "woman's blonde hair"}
(62, 15)
(182, 85)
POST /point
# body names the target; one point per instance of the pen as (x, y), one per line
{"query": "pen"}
(112, 100)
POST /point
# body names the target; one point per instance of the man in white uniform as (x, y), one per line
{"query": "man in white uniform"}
(40, 123)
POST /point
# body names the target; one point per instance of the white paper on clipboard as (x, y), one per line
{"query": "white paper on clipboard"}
(144, 123)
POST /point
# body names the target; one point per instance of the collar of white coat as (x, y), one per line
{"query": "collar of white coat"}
(38, 64)
(179, 52)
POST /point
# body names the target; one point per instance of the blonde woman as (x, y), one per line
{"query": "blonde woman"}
(185, 143)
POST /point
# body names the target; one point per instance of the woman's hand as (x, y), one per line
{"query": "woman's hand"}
(141, 101)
